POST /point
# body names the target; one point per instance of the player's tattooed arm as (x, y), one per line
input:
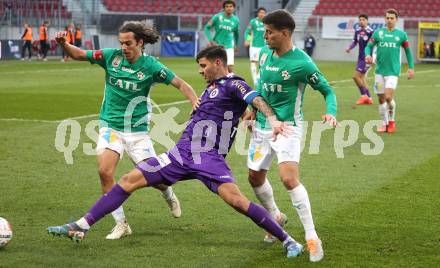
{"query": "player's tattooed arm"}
(278, 127)
(71, 50)
(259, 103)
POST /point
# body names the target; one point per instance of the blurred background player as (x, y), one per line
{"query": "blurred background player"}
(129, 76)
(44, 40)
(284, 73)
(226, 96)
(78, 36)
(388, 41)
(254, 39)
(70, 39)
(309, 44)
(362, 35)
(27, 41)
(227, 29)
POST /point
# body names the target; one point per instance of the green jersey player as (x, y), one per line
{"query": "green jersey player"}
(227, 28)
(254, 39)
(388, 42)
(284, 73)
(129, 76)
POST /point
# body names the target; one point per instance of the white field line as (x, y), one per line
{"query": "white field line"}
(159, 105)
(83, 116)
(401, 74)
(48, 71)
(27, 120)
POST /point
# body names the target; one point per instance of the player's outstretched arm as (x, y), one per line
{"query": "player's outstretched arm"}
(187, 91)
(248, 36)
(71, 50)
(208, 35)
(318, 82)
(369, 48)
(236, 37)
(409, 57)
(330, 104)
(352, 44)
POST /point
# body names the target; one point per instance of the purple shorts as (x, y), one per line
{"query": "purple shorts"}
(179, 165)
(362, 67)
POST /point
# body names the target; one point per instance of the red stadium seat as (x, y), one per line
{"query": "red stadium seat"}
(406, 8)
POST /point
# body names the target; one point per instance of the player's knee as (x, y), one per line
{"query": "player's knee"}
(289, 181)
(105, 174)
(238, 202)
(129, 182)
(256, 178)
(161, 187)
(381, 98)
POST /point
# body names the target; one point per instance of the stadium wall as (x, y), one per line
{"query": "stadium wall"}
(323, 46)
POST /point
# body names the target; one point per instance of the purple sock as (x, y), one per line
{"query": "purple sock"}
(263, 219)
(367, 92)
(362, 90)
(106, 204)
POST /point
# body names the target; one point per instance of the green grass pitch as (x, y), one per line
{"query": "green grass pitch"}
(370, 211)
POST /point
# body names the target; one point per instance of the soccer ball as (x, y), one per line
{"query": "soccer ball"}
(5, 232)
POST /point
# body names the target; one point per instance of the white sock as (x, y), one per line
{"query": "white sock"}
(392, 110)
(264, 193)
(383, 111)
(118, 214)
(289, 238)
(254, 72)
(300, 201)
(168, 193)
(83, 224)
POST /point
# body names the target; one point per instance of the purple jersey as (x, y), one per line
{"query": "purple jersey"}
(214, 123)
(200, 152)
(361, 37)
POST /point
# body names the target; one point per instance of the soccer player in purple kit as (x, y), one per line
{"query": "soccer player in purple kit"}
(199, 154)
(362, 35)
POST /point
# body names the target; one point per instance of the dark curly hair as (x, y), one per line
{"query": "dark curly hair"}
(141, 31)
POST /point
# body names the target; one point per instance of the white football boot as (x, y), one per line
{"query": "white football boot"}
(314, 246)
(174, 205)
(120, 230)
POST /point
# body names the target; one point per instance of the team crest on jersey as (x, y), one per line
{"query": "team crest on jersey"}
(263, 59)
(213, 93)
(380, 34)
(285, 75)
(397, 38)
(116, 61)
(140, 75)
